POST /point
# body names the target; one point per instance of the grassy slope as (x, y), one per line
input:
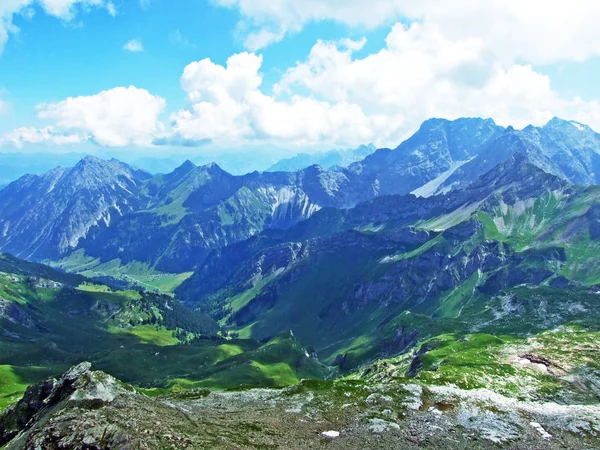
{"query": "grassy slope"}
(551, 220)
(136, 272)
(66, 326)
(311, 296)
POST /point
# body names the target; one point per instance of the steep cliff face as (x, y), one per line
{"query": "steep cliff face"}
(566, 149)
(46, 216)
(444, 155)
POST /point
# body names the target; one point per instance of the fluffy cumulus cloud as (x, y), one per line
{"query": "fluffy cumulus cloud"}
(62, 9)
(538, 31)
(227, 106)
(444, 59)
(423, 73)
(114, 118)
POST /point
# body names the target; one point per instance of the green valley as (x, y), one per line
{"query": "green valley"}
(147, 339)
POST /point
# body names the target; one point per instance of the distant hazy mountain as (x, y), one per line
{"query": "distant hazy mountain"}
(329, 160)
(567, 149)
(236, 163)
(15, 165)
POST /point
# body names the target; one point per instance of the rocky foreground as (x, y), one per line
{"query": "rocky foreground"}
(92, 410)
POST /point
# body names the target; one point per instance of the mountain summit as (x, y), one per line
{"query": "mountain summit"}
(444, 155)
(46, 215)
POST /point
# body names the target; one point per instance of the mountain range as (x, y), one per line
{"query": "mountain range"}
(15, 165)
(334, 276)
(108, 211)
(451, 281)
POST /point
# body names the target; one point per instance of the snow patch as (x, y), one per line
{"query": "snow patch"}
(331, 434)
(454, 218)
(430, 188)
(577, 125)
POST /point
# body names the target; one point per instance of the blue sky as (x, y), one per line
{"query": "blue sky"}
(52, 59)
(301, 75)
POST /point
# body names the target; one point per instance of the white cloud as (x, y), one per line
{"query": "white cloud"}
(134, 45)
(269, 21)
(454, 58)
(115, 117)
(419, 74)
(29, 135)
(66, 9)
(535, 31)
(61, 9)
(381, 98)
(422, 73)
(228, 107)
(111, 8)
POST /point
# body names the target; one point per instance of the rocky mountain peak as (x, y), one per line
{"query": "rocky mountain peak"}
(77, 385)
(566, 126)
(520, 171)
(462, 124)
(184, 168)
(94, 164)
(314, 169)
(95, 171)
(91, 162)
(212, 168)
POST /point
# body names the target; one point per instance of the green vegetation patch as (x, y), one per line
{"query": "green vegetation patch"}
(15, 380)
(149, 334)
